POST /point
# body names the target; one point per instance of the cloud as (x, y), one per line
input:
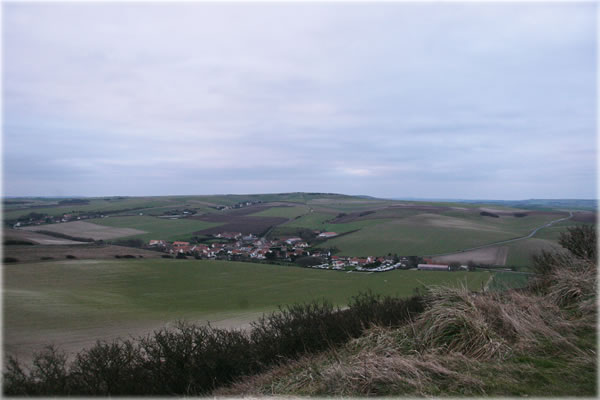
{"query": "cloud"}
(271, 93)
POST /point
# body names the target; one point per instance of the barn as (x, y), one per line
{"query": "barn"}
(433, 267)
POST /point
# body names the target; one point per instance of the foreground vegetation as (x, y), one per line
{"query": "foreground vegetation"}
(537, 341)
(446, 341)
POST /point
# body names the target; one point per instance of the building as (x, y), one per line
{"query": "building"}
(327, 234)
(433, 267)
(293, 240)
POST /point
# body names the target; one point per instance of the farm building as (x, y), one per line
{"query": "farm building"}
(327, 234)
(433, 267)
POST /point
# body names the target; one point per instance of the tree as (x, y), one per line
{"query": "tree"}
(581, 241)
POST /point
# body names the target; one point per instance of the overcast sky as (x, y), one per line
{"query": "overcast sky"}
(463, 100)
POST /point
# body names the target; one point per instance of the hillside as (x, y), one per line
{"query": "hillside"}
(541, 341)
(446, 340)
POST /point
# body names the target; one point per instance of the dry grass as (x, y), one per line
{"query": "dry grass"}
(574, 288)
(370, 365)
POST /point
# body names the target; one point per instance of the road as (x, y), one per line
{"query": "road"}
(533, 232)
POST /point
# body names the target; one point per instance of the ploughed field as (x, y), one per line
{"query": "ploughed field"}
(72, 303)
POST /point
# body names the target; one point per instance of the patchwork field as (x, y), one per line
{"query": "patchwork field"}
(157, 228)
(84, 229)
(73, 303)
(368, 226)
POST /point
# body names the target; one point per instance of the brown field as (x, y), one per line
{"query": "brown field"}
(86, 230)
(35, 237)
(82, 251)
(584, 216)
(495, 255)
(243, 224)
(253, 209)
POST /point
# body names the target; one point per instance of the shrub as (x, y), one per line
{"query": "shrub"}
(10, 259)
(193, 360)
(581, 241)
(70, 257)
(109, 369)
(489, 214)
(14, 242)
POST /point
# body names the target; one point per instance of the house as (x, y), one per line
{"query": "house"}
(156, 243)
(293, 240)
(327, 234)
(180, 244)
(433, 267)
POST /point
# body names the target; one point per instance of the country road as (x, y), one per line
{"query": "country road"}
(533, 232)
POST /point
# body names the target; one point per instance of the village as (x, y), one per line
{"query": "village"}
(234, 246)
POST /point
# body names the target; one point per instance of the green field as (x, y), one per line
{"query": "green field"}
(508, 280)
(157, 228)
(416, 232)
(54, 299)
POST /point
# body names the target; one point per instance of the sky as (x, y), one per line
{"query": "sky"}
(432, 100)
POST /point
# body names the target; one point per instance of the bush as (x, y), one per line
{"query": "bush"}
(70, 257)
(194, 360)
(10, 259)
(489, 214)
(166, 256)
(14, 242)
(581, 241)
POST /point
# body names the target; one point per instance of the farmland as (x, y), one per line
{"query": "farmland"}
(366, 226)
(76, 302)
(88, 230)
(153, 227)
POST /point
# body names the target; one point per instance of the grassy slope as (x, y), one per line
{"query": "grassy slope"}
(74, 294)
(525, 343)
(427, 234)
(157, 228)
